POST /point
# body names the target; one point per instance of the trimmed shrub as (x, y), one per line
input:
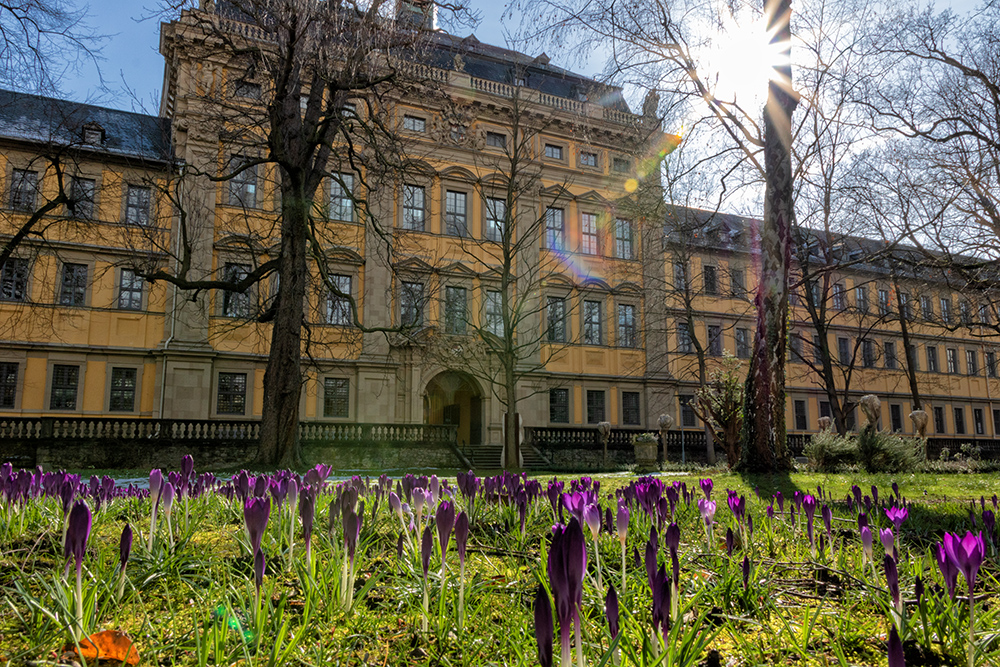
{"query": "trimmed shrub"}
(827, 451)
(879, 451)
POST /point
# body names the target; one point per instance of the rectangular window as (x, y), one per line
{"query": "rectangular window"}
(972, 362)
(839, 297)
(555, 313)
(794, 347)
(243, 184)
(338, 308)
(73, 290)
(978, 423)
(945, 310)
(496, 140)
(965, 312)
(14, 279)
(232, 396)
(687, 410)
(710, 278)
(235, 304)
(824, 409)
(984, 313)
(844, 351)
(801, 418)
(861, 298)
(130, 291)
(896, 418)
(454, 310)
(952, 357)
(959, 420)
(411, 304)
(743, 343)
(904, 306)
(883, 303)
(65, 381)
(595, 406)
(137, 200)
(624, 239)
(588, 159)
(8, 385)
(247, 89)
(867, 354)
(680, 276)
(996, 422)
(684, 343)
(991, 364)
(455, 213)
(496, 217)
(553, 152)
(816, 293)
(122, 397)
(559, 406)
(714, 340)
(81, 197)
(592, 324)
(413, 208)
(414, 124)
(555, 229)
(738, 283)
(493, 311)
(630, 408)
(336, 397)
(342, 197)
(890, 355)
(932, 359)
(927, 308)
(626, 325)
(588, 234)
(620, 165)
(939, 428)
(23, 190)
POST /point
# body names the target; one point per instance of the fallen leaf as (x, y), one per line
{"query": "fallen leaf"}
(107, 645)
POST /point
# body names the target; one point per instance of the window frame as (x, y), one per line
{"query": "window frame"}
(737, 283)
(456, 323)
(591, 408)
(244, 397)
(234, 272)
(971, 362)
(686, 410)
(743, 347)
(408, 209)
(561, 321)
(591, 307)
(326, 401)
(407, 289)
(978, 421)
(338, 308)
(341, 199)
(550, 149)
(839, 296)
(625, 409)
(555, 235)
(129, 292)
(10, 374)
(496, 140)
(958, 416)
(15, 273)
(137, 212)
(112, 389)
(931, 352)
(843, 350)
(589, 233)
(889, 353)
(710, 279)
(940, 426)
(494, 226)
(410, 123)
(455, 222)
(89, 200)
(627, 332)
(624, 239)
(861, 298)
(589, 159)
(54, 367)
(22, 195)
(713, 333)
(493, 312)
(565, 392)
(242, 187)
(951, 359)
(802, 425)
(75, 295)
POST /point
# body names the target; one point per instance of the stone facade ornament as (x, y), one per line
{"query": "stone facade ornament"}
(871, 406)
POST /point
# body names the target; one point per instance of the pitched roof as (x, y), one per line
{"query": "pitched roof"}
(48, 120)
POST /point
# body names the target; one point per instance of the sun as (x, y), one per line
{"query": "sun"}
(741, 60)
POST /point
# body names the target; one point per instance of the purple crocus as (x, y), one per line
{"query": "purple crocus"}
(948, 569)
(77, 532)
(611, 611)
(966, 554)
(897, 515)
(867, 542)
(445, 521)
(896, 658)
(256, 512)
(258, 571)
(809, 507)
(887, 538)
(124, 547)
(543, 626)
(307, 513)
(746, 572)
(730, 541)
(461, 541)
(706, 488)
(566, 566)
(892, 581)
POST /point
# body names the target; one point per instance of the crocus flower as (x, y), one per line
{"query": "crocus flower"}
(258, 571)
(256, 512)
(746, 572)
(611, 611)
(897, 515)
(867, 542)
(543, 626)
(828, 521)
(566, 566)
(445, 521)
(706, 488)
(892, 580)
(167, 498)
(730, 541)
(592, 517)
(966, 554)
(461, 536)
(622, 523)
(77, 533)
(896, 658)
(707, 510)
(809, 507)
(124, 547)
(948, 569)
(307, 514)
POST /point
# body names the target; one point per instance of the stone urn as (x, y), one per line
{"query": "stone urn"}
(645, 446)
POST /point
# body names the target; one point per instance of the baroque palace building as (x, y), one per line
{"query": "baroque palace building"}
(614, 284)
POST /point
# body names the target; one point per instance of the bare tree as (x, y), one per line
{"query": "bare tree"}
(305, 91)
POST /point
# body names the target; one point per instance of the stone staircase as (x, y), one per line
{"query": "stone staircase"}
(488, 457)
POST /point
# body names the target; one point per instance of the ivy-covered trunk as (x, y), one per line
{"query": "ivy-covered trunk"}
(764, 414)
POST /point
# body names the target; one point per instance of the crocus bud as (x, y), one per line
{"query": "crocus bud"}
(461, 536)
(707, 510)
(258, 569)
(445, 520)
(544, 627)
(673, 537)
(887, 539)
(395, 505)
(256, 512)
(307, 510)
(867, 541)
(730, 539)
(746, 572)
(155, 485)
(167, 496)
(622, 522)
(948, 569)
(125, 546)
(611, 611)
(706, 488)
(592, 517)
(896, 658)
(77, 532)
(426, 546)
(187, 466)
(891, 578)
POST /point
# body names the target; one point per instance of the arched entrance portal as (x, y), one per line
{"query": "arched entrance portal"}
(455, 398)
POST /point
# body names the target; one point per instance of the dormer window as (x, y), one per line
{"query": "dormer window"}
(93, 134)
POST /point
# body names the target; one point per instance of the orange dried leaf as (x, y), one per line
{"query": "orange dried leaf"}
(108, 645)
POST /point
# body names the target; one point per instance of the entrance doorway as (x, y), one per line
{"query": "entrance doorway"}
(454, 398)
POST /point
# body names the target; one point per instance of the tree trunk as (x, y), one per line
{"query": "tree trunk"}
(511, 446)
(279, 428)
(709, 432)
(904, 330)
(764, 418)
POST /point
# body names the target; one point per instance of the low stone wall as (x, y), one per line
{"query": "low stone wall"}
(381, 457)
